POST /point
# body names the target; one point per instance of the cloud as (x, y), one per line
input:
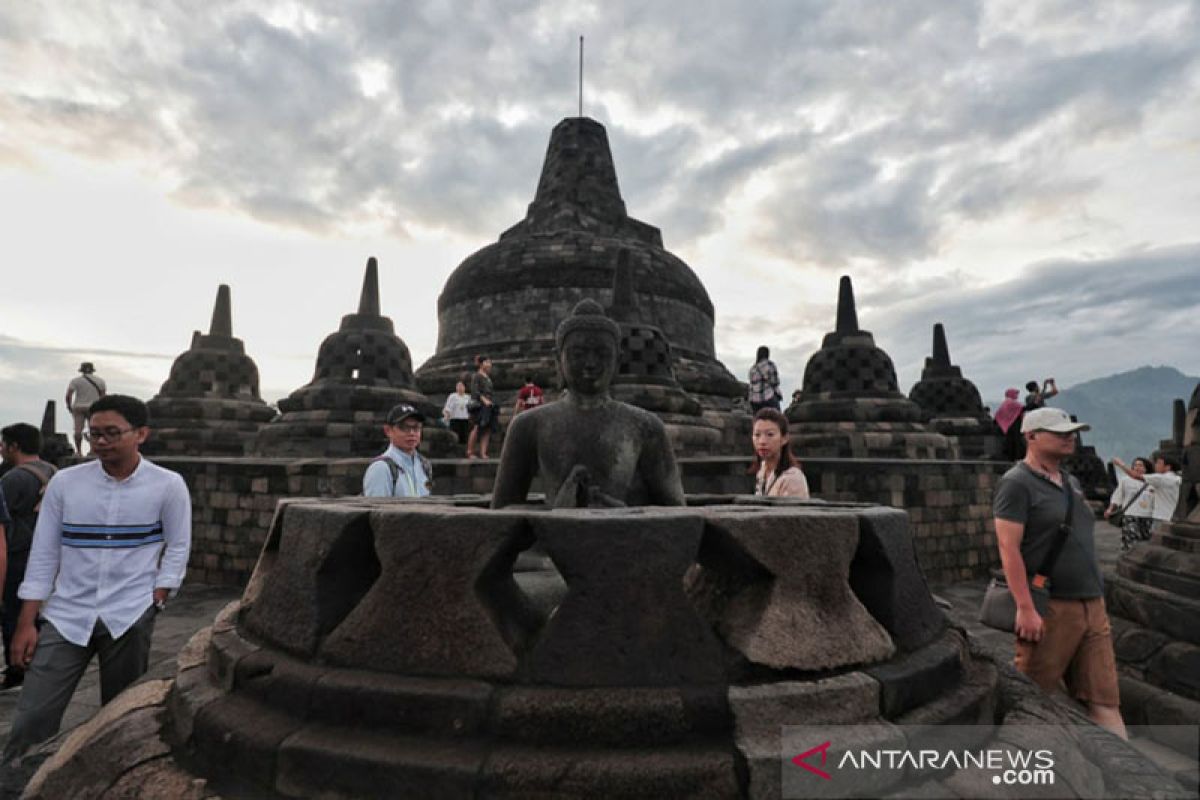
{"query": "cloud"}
(876, 127)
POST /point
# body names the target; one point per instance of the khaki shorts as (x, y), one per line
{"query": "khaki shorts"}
(80, 413)
(1076, 648)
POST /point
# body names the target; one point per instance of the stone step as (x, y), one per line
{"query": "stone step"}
(1154, 608)
(1175, 571)
(1187, 544)
(914, 679)
(972, 702)
(1183, 769)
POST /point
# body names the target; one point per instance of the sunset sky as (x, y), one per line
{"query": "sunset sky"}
(1026, 173)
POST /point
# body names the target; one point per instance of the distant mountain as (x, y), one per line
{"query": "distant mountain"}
(1130, 413)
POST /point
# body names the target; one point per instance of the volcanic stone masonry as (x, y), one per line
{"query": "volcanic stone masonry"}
(851, 406)
(363, 369)
(210, 404)
(954, 405)
(506, 300)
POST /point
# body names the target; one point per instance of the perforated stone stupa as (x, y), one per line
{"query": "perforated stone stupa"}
(646, 374)
(954, 405)
(506, 299)
(363, 369)
(210, 404)
(851, 405)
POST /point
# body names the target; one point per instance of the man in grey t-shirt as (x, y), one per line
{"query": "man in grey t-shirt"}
(1073, 642)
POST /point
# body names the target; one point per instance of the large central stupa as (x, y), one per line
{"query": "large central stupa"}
(505, 300)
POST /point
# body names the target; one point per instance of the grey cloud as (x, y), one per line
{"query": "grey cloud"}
(881, 124)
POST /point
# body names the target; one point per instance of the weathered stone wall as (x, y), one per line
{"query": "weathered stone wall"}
(949, 503)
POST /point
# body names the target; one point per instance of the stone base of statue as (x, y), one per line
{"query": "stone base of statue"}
(865, 427)
(977, 439)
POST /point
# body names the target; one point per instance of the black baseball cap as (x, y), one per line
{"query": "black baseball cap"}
(403, 411)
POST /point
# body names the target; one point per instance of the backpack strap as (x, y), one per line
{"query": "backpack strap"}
(43, 477)
(393, 468)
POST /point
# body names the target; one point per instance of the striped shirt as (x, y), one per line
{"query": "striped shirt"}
(97, 546)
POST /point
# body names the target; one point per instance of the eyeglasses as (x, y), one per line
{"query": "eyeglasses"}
(106, 435)
(412, 428)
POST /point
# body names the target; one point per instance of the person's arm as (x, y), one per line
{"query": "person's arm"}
(1119, 464)
(1049, 388)
(3, 556)
(1029, 625)
(518, 462)
(70, 394)
(177, 533)
(377, 480)
(1116, 500)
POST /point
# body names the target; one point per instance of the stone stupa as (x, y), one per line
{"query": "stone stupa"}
(851, 405)
(954, 405)
(505, 300)
(646, 375)
(210, 404)
(363, 369)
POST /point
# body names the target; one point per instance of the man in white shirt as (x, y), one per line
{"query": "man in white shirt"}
(401, 471)
(81, 393)
(111, 543)
(1164, 482)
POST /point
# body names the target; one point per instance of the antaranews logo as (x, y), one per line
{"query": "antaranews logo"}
(802, 762)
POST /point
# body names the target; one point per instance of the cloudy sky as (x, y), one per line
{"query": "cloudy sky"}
(1026, 173)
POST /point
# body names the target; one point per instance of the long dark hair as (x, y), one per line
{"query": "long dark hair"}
(786, 459)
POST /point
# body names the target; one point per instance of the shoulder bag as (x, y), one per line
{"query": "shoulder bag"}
(1116, 519)
(999, 609)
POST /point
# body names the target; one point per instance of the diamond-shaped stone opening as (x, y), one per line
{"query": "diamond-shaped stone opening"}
(539, 580)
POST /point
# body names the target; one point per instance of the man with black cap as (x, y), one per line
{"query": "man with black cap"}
(81, 393)
(400, 471)
(1036, 504)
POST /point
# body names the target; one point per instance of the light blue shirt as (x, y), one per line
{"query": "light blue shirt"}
(102, 546)
(411, 482)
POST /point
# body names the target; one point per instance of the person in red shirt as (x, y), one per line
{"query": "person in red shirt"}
(530, 396)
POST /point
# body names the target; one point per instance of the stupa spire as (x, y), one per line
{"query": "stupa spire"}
(222, 316)
(941, 351)
(847, 315)
(48, 421)
(578, 176)
(368, 302)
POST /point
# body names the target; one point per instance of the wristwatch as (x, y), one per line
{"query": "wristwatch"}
(160, 606)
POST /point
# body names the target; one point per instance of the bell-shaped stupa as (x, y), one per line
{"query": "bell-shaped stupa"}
(953, 404)
(505, 300)
(851, 405)
(363, 369)
(210, 404)
(645, 372)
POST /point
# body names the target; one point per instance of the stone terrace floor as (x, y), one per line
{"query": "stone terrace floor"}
(197, 605)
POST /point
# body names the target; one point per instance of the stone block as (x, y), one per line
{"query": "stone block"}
(446, 707)
(761, 710)
(698, 769)
(916, 678)
(445, 602)
(324, 564)
(123, 734)
(1177, 667)
(625, 620)
(234, 735)
(1134, 644)
(887, 579)
(161, 777)
(338, 762)
(775, 584)
(609, 716)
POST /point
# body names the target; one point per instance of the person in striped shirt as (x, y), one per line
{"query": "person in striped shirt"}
(111, 544)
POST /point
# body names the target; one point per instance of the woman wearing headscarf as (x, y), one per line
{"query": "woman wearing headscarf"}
(1008, 417)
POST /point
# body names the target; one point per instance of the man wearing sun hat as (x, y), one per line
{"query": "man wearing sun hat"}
(1073, 641)
(400, 471)
(82, 391)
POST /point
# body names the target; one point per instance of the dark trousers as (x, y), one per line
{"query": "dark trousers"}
(12, 604)
(461, 428)
(55, 672)
(756, 407)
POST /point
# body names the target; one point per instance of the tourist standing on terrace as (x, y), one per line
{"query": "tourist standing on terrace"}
(484, 415)
(764, 382)
(400, 471)
(1073, 641)
(1164, 482)
(1008, 417)
(111, 544)
(455, 412)
(81, 393)
(776, 471)
(1037, 397)
(22, 487)
(1134, 498)
(530, 396)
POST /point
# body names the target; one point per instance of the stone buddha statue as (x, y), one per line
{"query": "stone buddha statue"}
(590, 449)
